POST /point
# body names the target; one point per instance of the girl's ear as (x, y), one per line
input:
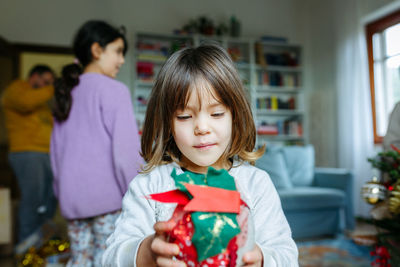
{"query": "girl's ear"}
(96, 50)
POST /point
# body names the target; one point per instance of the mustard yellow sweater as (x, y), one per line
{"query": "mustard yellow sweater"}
(28, 116)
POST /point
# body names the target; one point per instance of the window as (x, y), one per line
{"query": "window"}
(383, 43)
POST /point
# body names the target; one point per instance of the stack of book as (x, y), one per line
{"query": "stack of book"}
(155, 51)
(291, 127)
(286, 59)
(274, 78)
(275, 103)
(145, 71)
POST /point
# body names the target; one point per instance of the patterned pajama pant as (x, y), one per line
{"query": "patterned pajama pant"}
(88, 239)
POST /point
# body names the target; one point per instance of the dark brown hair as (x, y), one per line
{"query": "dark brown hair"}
(40, 69)
(171, 92)
(93, 31)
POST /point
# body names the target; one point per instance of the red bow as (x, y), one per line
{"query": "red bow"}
(205, 199)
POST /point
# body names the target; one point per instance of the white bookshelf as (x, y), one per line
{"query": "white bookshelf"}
(275, 91)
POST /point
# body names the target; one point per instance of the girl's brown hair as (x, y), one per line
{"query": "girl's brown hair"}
(171, 91)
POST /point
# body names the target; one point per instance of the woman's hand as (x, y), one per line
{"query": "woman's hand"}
(162, 250)
(253, 258)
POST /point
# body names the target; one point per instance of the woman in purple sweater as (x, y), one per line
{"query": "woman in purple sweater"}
(95, 142)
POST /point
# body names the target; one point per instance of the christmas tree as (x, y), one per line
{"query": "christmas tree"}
(384, 194)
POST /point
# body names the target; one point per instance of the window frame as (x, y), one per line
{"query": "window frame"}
(377, 26)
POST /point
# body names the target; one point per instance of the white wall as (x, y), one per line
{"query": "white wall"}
(320, 78)
(324, 21)
(50, 22)
(55, 22)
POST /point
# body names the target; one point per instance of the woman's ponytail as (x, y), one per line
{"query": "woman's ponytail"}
(62, 91)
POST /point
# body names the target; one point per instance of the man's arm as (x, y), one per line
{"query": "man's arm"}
(21, 97)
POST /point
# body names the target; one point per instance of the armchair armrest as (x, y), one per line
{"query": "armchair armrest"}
(341, 179)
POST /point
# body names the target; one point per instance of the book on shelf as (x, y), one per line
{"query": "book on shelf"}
(276, 78)
(236, 54)
(263, 78)
(289, 80)
(289, 104)
(285, 59)
(289, 127)
(292, 103)
(151, 57)
(152, 50)
(275, 103)
(260, 59)
(145, 80)
(145, 68)
(156, 46)
(267, 130)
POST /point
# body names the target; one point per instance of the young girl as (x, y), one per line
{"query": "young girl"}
(197, 117)
(95, 143)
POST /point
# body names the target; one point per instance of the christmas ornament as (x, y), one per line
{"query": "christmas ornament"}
(213, 225)
(373, 191)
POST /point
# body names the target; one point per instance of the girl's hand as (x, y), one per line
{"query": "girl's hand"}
(253, 258)
(162, 250)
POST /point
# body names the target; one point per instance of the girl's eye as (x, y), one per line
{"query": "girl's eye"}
(218, 114)
(183, 117)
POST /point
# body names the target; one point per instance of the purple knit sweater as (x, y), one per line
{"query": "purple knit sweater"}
(95, 152)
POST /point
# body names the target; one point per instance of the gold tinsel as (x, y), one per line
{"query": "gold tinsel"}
(37, 257)
(394, 200)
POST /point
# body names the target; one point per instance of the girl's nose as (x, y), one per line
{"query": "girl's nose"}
(201, 126)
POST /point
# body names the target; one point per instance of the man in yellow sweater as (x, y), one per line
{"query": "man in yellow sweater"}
(29, 122)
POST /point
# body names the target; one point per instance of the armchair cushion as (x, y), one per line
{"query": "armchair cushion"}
(274, 164)
(300, 164)
(311, 198)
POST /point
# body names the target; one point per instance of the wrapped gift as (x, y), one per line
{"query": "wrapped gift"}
(213, 225)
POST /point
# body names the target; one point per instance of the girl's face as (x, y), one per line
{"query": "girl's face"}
(203, 132)
(111, 58)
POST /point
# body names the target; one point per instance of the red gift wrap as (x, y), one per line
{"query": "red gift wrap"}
(183, 231)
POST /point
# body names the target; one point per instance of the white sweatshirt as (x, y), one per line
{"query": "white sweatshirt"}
(139, 214)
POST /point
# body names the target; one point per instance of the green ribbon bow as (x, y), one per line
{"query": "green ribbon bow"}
(212, 231)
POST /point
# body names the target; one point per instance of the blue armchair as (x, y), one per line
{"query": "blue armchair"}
(316, 201)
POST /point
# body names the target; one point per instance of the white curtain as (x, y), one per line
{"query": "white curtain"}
(355, 134)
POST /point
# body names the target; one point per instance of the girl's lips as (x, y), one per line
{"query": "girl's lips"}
(203, 146)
